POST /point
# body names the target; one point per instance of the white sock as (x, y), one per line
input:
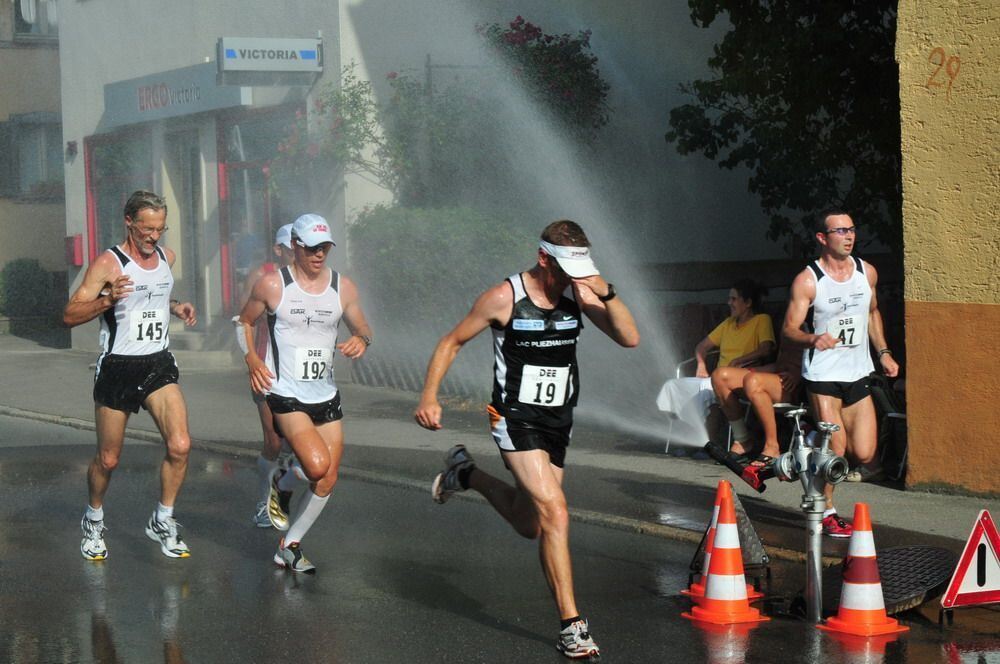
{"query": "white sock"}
(294, 476)
(740, 433)
(309, 510)
(828, 512)
(264, 469)
(164, 512)
(95, 513)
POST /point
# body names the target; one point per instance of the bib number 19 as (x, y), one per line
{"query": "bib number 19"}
(543, 386)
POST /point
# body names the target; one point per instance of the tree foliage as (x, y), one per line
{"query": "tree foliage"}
(806, 96)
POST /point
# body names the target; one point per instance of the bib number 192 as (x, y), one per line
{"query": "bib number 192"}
(543, 386)
(312, 363)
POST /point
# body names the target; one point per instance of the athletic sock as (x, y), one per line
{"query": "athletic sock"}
(164, 512)
(95, 513)
(740, 433)
(264, 469)
(828, 512)
(309, 510)
(566, 622)
(463, 476)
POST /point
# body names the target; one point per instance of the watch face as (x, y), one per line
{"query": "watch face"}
(367, 340)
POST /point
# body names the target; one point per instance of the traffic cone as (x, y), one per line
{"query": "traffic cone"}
(696, 590)
(862, 606)
(725, 600)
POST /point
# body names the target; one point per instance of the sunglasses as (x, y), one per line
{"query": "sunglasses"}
(846, 230)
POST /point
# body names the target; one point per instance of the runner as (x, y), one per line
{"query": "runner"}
(835, 297)
(268, 461)
(305, 303)
(535, 317)
(129, 287)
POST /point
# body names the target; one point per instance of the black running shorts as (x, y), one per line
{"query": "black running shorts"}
(848, 393)
(514, 436)
(123, 382)
(319, 413)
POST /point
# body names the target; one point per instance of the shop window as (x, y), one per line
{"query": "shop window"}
(31, 164)
(35, 19)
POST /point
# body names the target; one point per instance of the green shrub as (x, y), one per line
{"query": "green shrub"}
(26, 289)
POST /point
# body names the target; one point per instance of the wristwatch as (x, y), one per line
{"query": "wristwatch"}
(612, 294)
(367, 340)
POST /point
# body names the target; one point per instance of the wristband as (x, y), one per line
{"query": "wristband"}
(884, 351)
(612, 294)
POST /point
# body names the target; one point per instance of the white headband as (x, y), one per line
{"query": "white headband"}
(575, 261)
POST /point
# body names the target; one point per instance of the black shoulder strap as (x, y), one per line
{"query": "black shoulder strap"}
(121, 256)
(860, 264)
(286, 276)
(334, 280)
(814, 266)
(159, 250)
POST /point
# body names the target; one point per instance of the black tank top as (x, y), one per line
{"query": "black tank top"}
(535, 375)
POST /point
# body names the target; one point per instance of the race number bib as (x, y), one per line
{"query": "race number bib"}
(543, 386)
(148, 325)
(845, 328)
(313, 363)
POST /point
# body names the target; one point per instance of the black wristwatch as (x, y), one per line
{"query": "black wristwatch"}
(612, 294)
(367, 340)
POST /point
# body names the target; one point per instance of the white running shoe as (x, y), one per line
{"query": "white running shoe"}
(446, 482)
(260, 517)
(278, 502)
(291, 557)
(575, 641)
(165, 532)
(92, 545)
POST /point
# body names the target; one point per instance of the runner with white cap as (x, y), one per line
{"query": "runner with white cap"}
(267, 462)
(535, 317)
(305, 303)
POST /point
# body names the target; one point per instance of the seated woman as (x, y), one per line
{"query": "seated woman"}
(763, 386)
(744, 339)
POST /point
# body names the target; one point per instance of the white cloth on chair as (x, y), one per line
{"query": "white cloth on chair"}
(686, 398)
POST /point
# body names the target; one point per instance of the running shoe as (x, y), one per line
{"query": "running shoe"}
(92, 545)
(291, 557)
(260, 517)
(165, 532)
(576, 643)
(446, 482)
(834, 526)
(278, 502)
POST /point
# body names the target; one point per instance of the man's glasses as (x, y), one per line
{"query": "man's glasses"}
(846, 230)
(147, 232)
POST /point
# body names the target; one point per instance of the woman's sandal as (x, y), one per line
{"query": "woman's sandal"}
(763, 461)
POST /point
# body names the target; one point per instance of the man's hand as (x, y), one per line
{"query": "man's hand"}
(260, 375)
(595, 283)
(428, 414)
(353, 348)
(889, 365)
(185, 311)
(118, 289)
(824, 341)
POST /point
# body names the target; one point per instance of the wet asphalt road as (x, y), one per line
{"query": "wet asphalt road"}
(400, 579)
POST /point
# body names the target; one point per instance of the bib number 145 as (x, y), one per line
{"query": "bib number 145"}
(149, 325)
(543, 386)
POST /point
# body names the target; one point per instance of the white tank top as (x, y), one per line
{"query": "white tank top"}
(840, 308)
(137, 324)
(303, 340)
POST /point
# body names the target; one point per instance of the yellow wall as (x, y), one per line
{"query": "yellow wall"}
(949, 61)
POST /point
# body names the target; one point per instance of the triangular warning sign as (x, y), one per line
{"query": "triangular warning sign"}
(977, 578)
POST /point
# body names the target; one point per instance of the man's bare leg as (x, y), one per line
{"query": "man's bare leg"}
(168, 409)
(829, 409)
(110, 424)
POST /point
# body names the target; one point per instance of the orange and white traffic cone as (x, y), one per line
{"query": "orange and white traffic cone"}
(725, 600)
(862, 606)
(696, 590)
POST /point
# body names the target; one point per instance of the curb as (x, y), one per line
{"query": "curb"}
(590, 517)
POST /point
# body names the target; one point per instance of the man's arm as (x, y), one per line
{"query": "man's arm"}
(612, 317)
(803, 292)
(876, 329)
(183, 310)
(495, 305)
(355, 319)
(265, 290)
(102, 286)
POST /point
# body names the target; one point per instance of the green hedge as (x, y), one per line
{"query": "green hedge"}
(421, 269)
(27, 289)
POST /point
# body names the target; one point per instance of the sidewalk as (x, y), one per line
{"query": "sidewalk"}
(615, 479)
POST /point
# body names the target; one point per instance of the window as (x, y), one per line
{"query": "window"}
(35, 19)
(31, 163)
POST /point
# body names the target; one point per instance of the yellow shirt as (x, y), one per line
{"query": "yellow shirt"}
(737, 340)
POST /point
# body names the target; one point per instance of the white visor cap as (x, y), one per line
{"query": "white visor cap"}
(284, 236)
(312, 230)
(574, 261)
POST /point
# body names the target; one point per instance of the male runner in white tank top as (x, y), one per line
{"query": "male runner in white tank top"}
(304, 303)
(129, 287)
(535, 318)
(834, 297)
